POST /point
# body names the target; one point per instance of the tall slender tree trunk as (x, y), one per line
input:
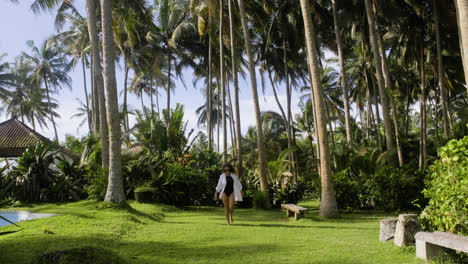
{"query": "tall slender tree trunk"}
(253, 81)
(441, 72)
(462, 15)
(380, 76)
(344, 84)
(115, 191)
(275, 94)
(397, 133)
(151, 99)
(125, 105)
(156, 94)
(88, 112)
(50, 109)
(168, 94)
(328, 205)
(231, 118)
(236, 91)
(99, 83)
(218, 117)
(288, 120)
(392, 104)
(377, 111)
(221, 77)
(422, 113)
(142, 103)
(95, 100)
(209, 94)
(314, 113)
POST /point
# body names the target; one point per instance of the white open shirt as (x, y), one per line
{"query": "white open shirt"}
(237, 186)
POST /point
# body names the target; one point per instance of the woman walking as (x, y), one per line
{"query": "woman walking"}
(229, 189)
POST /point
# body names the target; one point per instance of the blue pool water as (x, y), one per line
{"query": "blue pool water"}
(17, 216)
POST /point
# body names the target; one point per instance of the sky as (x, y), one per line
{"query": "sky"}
(19, 24)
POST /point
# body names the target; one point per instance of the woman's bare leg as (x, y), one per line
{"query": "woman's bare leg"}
(231, 207)
(226, 207)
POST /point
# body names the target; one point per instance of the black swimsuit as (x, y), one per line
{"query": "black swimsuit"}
(229, 189)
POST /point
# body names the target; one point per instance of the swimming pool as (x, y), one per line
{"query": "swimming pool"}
(17, 216)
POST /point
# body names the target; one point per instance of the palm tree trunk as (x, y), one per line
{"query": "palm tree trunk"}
(221, 77)
(236, 92)
(94, 98)
(99, 83)
(115, 191)
(440, 71)
(462, 14)
(142, 103)
(389, 87)
(125, 107)
(218, 116)
(253, 82)
(151, 99)
(50, 109)
(377, 111)
(397, 133)
(209, 95)
(231, 119)
(328, 205)
(380, 75)
(157, 101)
(288, 120)
(86, 95)
(168, 93)
(422, 113)
(275, 94)
(314, 113)
(344, 84)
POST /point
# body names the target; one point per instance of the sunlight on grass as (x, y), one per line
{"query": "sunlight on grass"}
(150, 233)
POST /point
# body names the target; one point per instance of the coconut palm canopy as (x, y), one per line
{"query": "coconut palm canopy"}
(16, 137)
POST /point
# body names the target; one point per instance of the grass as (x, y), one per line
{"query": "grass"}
(152, 233)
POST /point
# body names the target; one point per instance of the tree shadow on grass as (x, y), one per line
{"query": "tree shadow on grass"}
(24, 249)
(156, 217)
(302, 226)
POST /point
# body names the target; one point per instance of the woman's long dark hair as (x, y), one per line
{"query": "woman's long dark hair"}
(228, 165)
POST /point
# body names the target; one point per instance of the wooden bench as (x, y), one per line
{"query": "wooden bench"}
(429, 245)
(294, 209)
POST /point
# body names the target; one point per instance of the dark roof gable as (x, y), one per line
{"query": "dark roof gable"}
(16, 137)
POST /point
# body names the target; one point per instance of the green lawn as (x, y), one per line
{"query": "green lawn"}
(150, 233)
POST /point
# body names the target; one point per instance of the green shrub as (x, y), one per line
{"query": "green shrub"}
(386, 188)
(146, 187)
(447, 190)
(261, 200)
(96, 185)
(181, 185)
(42, 174)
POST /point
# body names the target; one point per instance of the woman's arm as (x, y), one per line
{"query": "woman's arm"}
(219, 188)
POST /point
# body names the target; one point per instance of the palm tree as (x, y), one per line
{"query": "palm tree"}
(115, 191)
(253, 83)
(328, 205)
(172, 24)
(83, 113)
(6, 78)
(77, 45)
(25, 98)
(462, 14)
(50, 67)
